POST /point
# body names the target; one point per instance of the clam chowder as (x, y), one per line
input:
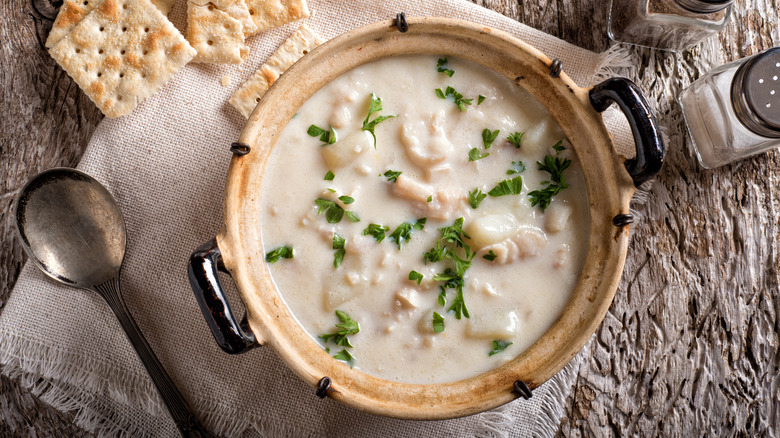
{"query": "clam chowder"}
(431, 208)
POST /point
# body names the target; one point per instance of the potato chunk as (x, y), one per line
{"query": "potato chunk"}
(345, 151)
(491, 229)
(542, 136)
(556, 217)
(493, 323)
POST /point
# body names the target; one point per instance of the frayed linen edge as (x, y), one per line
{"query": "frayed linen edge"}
(548, 422)
(81, 395)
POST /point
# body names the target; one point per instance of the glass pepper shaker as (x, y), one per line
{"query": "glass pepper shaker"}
(733, 111)
(667, 24)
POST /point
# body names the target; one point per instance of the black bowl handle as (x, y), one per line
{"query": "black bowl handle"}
(232, 336)
(649, 144)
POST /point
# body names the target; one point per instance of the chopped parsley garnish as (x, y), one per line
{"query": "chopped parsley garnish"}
(392, 175)
(351, 216)
(490, 256)
(416, 276)
(347, 327)
(557, 182)
(515, 138)
(499, 346)
(374, 106)
(339, 244)
(329, 137)
(438, 323)
(488, 137)
(559, 146)
(480, 99)
(441, 67)
(430, 198)
(333, 212)
(344, 355)
(447, 249)
(507, 187)
(460, 101)
(329, 176)
(346, 199)
(474, 155)
(404, 231)
(283, 252)
(377, 231)
(517, 167)
(476, 197)
(459, 305)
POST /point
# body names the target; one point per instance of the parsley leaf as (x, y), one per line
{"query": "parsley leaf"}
(377, 231)
(374, 106)
(284, 252)
(329, 137)
(347, 327)
(459, 305)
(333, 212)
(441, 67)
(480, 99)
(404, 231)
(555, 167)
(474, 155)
(430, 198)
(458, 98)
(346, 199)
(329, 176)
(344, 355)
(392, 175)
(339, 244)
(507, 187)
(515, 138)
(488, 137)
(490, 256)
(499, 346)
(559, 146)
(517, 167)
(351, 216)
(416, 276)
(438, 323)
(476, 197)
(447, 249)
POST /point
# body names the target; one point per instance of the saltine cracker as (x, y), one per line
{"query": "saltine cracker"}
(73, 11)
(300, 43)
(269, 14)
(121, 53)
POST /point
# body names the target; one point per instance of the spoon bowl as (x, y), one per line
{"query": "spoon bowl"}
(71, 227)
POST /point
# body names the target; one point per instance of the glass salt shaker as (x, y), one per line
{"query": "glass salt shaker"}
(733, 111)
(666, 24)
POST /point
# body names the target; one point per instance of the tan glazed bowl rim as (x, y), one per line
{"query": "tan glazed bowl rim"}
(609, 188)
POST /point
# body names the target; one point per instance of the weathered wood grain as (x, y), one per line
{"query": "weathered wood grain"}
(690, 344)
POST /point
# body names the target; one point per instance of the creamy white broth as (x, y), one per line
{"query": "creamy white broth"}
(514, 298)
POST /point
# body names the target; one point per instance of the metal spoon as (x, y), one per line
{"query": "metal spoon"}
(72, 229)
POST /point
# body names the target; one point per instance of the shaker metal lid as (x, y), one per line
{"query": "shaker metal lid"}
(705, 6)
(755, 93)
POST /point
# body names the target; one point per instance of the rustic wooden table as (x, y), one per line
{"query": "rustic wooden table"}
(690, 344)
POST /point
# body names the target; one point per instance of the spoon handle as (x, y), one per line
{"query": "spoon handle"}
(179, 409)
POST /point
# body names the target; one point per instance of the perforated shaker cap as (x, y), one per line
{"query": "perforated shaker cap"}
(755, 93)
(705, 6)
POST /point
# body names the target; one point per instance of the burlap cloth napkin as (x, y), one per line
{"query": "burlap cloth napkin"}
(166, 165)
